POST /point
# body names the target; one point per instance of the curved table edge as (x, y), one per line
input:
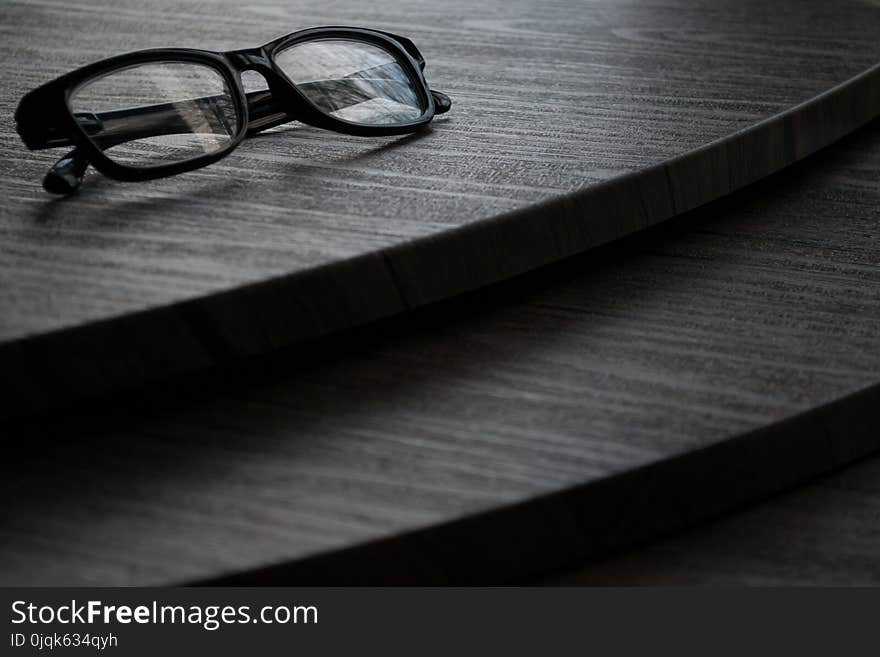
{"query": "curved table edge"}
(61, 367)
(561, 529)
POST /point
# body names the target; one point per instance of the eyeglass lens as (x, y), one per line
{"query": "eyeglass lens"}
(353, 80)
(157, 113)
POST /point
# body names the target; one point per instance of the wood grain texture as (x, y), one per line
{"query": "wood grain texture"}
(574, 123)
(622, 394)
(826, 533)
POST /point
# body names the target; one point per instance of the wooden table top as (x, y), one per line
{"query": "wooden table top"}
(622, 393)
(625, 393)
(574, 123)
(824, 533)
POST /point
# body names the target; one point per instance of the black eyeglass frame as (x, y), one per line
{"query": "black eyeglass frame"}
(45, 120)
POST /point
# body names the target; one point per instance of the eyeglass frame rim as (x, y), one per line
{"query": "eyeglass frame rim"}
(49, 104)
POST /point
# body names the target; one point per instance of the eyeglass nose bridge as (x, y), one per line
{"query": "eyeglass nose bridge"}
(258, 60)
(266, 108)
(251, 59)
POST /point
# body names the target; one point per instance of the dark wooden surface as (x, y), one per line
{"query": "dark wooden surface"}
(825, 533)
(617, 396)
(574, 123)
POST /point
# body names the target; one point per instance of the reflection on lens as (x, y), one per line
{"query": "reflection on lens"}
(353, 80)
(157, 113)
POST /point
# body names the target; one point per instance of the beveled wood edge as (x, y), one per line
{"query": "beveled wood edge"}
(532, 538)
(58, 368)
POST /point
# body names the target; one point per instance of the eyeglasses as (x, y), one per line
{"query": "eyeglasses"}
(156, 113)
